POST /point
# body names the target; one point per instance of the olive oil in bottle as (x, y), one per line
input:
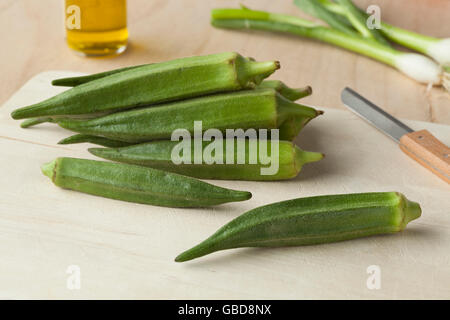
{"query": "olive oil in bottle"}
(96, 27)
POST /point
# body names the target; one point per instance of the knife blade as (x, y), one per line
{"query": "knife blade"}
(421, 145)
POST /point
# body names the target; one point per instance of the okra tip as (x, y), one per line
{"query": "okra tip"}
(34, 121)
(17, 114)
(200, 250)
(67, 140)
(48, 169)
(77, 138)
(64, 82)
(301, 92)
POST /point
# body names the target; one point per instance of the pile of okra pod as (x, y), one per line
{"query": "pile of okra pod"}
(133, 111)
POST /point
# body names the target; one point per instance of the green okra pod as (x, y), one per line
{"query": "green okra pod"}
(259, 109)
(292, 94)
(244, 160)
(313, 220)
(101, 141)
(137, 184)
(76, 81)
(154, 83)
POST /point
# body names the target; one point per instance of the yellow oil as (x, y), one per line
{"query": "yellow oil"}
(96, 27)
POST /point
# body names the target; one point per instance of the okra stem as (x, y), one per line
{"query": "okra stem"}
(292, 94)
(255, 68)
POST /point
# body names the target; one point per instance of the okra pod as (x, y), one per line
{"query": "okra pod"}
(292, 94)
(76, 81)
(244, 160)
(83, 138)
(137, 184)
(261, 108)
(313, 220)
(154, 83)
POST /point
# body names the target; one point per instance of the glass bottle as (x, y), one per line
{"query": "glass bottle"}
(96, 27)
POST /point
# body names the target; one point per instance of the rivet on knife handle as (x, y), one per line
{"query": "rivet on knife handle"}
(426, 149)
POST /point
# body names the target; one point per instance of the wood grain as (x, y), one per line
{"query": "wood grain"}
(126, 250)
(431, 153)
(33, 41)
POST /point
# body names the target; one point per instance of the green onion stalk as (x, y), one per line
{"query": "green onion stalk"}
(348, 19)
(438, 49)
(416, 66)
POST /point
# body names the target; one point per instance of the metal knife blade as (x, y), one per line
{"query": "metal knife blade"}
(374, 114)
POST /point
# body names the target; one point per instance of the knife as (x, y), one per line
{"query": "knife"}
(421, 145)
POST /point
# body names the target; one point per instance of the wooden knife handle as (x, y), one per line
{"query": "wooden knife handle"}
(426, 149)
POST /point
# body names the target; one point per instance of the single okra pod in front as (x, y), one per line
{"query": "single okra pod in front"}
(154, 83)
(313, 220)
(292, 94)
(227, 159)
(258, 109)
(137, 184)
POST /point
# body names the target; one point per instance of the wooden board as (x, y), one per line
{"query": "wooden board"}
(33, 41)
(126, 250)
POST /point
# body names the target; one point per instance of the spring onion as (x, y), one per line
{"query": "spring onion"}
(438, 49)
(358, 20)
(414, 65)
(335, 21)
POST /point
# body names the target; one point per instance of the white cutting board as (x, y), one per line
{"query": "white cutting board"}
(126, 250)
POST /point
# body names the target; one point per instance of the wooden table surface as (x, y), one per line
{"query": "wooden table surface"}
(33, 41)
